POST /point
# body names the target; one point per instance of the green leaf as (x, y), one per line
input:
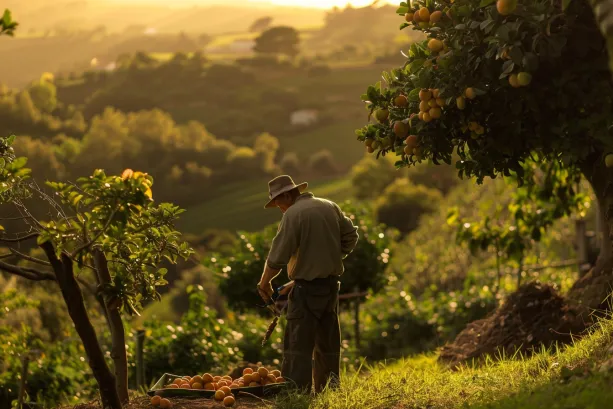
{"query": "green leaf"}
(10, 140)
(402, 10)
(414, 95)
(565, 4)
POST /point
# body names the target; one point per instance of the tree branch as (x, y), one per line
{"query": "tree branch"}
(29, 258)
(26, 272)
(19, 239)
(96, 237)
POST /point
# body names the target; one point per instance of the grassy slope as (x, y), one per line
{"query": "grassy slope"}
(241, 206)
(510, 384)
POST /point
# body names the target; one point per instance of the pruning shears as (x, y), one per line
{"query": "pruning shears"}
(270, 303)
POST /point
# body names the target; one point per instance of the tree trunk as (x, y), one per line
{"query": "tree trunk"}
(118, 334)
(73, 297)
(592, 290)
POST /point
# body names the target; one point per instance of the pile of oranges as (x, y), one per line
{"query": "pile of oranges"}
(222, 385)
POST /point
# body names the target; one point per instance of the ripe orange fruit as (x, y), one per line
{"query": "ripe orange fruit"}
(173, 386)
(209, 386)
(263, 371)
(524, 78)
(280, 379)
(416, 18)
(400, 130)
(410, 141)
(440, 102)
(424, 14)
(165, 403)
(506, 7)
(185, 386)
(425, 94)
(178, 381)
(435, 45)
(206, 378)
(253, 384)
(216, 378)
(276, 373)
(427, 117)
(247, 378)
(435, 92)
(421, 115)
(399, 101)
(247, 371)
(473, 125)
(196, 385)
(423, 106)
(256, 377)
(155, 401)
(408, 17)
(370, 149)
(480, 130)
(514, 81)
(228, 401)
(197, 379)
(435, 112)
(271, 378)
(470, 93)
(219, 395)
(436, 16)
(432, 103)
(226, 390)
(460, 102)
(408, 150)
(235, 386)
(227, 377)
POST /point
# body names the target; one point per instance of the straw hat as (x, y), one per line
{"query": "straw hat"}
(280, 185)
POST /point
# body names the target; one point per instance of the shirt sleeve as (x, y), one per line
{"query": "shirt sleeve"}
(349, 232)
(285, 243)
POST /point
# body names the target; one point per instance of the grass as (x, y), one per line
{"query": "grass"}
(536, 382)
(241, 206)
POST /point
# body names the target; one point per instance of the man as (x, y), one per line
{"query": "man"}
(313, 238)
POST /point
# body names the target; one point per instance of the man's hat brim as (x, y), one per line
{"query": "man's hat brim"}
(302, 187)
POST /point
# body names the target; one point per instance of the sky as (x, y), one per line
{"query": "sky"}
(323, 4)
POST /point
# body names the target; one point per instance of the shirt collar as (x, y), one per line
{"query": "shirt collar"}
(304, 196)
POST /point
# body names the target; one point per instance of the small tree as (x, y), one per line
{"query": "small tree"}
(104, 235)
(482, 85)
(278, 40)
(260, 24)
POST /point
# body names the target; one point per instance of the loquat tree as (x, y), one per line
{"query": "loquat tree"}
(501, 84)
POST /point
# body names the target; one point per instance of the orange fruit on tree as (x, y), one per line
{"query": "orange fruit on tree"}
(460, 102)
(470, 93)
(436, 16)
(409, 17)
(165, 403)
(435, 92)
(435, 45)
(381, 115)
(408, 150)
(370, 149)
(155, 401)
(427, 117)
(440, 102)
(421, 115)
(399, 101)
(423, 106)
(410, 141)
(432, 103)
(400, 130)
(228, 401)
(435, 112)
(127, 174)
(425, 94)
(506, 7)
(424, 14)
(514, 81)
(524, 78)
(219, 395)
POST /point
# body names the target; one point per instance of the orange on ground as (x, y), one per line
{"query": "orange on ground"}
(165, 403)
(155, 401)
(228, 401)
(219, 395)
(226, 390)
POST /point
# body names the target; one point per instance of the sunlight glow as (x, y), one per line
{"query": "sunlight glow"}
(326, 4)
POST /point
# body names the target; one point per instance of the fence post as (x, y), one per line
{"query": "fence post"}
(582, 243)
(24, 374)
(356, 312)
(140, 362)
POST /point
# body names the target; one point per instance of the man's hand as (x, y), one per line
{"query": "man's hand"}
(285, 290)
(265, 290)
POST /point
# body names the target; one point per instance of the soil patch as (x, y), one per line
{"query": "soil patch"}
(533, 316)
(144, 402)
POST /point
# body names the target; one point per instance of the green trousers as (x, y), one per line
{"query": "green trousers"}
(312, 340)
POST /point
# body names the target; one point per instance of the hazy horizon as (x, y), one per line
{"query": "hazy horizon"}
(320, 4)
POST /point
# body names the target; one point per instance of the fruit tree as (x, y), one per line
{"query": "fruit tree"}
(500, 83)
(103, 235)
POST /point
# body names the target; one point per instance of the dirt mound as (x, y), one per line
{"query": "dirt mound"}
(592, 291)
(534, 315)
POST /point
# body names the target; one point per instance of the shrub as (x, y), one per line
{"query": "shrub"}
(290, 164)
(402, 204)
(369, 177)
(322, 163)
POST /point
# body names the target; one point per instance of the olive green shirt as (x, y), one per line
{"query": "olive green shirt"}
(314, 237)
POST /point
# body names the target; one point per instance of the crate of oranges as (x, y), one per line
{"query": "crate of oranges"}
(259, 382)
